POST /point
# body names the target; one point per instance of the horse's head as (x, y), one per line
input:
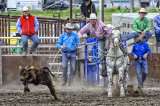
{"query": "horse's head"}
(116, 36)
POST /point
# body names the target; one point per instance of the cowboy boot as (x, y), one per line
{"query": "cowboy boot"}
(122, 94)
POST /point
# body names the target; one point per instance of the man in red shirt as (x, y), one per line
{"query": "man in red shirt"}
(28, 25)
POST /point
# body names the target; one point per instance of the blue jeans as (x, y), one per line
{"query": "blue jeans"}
(128, 36)
(148, 35)
(157, 34)
(35, 40)
(141, 64)
(83, 24)
(65, 58)
(101, 45)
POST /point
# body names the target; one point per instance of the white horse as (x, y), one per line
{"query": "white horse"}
(116, 63)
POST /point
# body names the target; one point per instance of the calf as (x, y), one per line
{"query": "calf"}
(37, 76)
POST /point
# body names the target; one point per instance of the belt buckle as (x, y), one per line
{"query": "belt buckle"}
(140, 57)
(69, 51)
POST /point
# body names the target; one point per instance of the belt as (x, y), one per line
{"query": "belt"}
(141, 58)
(69, 51)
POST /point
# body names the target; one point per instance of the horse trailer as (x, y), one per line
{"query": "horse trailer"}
(19, 4)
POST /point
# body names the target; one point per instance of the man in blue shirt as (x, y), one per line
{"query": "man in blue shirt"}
(156, 24)
(68, 42)
(140, 52)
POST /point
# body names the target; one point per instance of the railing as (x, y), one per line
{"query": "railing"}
(49, 31)
(42, 48)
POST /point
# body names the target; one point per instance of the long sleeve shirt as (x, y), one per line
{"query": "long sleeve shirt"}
(141, 49)
(156, 22)
(141, 25)
(18, 25)
(99, 31)
(70, 41)
(87, 10)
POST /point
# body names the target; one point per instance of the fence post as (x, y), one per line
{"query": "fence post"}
(0, 67)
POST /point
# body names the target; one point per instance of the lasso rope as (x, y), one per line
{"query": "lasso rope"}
(122, 13)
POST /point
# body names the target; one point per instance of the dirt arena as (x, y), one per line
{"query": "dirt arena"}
(77, 95)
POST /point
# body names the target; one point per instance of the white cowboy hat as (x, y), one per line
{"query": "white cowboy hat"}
(92, 16)
(25, 8)
(143, 10)
(68, 26)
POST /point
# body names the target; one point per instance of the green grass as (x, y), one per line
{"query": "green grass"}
(65, 13)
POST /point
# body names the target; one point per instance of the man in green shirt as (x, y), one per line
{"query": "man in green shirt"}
(142, 24)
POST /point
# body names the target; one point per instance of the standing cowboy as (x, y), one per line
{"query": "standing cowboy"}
(68, 42)
(140, 52)
(142, 24)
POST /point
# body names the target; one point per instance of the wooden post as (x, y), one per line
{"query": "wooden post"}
(101, 10)
(0, 68)
(132, 6)
(70, 11)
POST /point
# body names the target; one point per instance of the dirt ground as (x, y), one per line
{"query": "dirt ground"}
(77, 95)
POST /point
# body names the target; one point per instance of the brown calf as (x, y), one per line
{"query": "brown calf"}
(37, 76)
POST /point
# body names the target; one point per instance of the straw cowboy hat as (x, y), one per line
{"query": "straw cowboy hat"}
(92, 16)
(143, 10)
(68, 26)
(25, 8)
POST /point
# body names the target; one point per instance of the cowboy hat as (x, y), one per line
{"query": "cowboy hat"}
(68, 26)
(25, 8)
(92, 16)
(143, 10)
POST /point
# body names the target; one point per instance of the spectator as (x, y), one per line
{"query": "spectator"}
(87, 7)
(68, 42)
(3, 6)
(156, 24)
(142, 24)
(28, 25)
(140, 52)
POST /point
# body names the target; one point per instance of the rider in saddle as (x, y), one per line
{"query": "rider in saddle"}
(102, 32)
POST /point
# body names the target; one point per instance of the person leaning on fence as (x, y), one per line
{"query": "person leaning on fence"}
(142, 24)
(156, 24)
(141, 51)
(28, 25)
(102, 32)
(68, 42)
(87, 7)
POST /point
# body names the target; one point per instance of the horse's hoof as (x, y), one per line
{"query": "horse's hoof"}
(122, 95)
(110, 96)
(110, 93)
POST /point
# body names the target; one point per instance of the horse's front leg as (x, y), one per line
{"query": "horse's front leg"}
(110, 80)
(121, 81)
